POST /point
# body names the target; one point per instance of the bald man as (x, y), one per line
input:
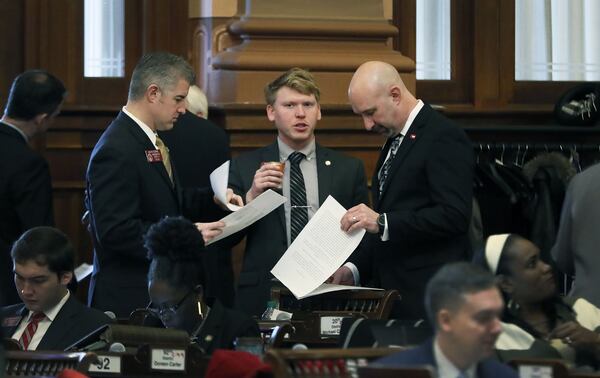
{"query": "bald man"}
(421, 191)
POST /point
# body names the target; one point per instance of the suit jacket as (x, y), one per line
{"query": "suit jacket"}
(427, 199)
(73, 322)
(25, 199)
(126, 193)
(424, 355)
(339, 175)
(576, 248)
(199, 147)
(223, 326)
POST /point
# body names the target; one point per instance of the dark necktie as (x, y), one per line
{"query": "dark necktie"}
(385, 168)
(32, 326)
(299, 210)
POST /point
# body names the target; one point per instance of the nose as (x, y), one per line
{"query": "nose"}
(545, 267)
(368, 122)
(300, 113)
(496, 327)
(26, 289)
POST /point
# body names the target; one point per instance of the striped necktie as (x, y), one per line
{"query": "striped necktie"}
(385, 168)
(32, 326)
(299, 210)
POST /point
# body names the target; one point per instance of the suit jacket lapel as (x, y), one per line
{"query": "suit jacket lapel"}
(271, 153)
(324, 173)
(211, 329)
(408, 141)
(21, 313)
(143, 139)
(59, 326)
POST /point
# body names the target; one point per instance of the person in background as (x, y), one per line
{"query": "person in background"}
(34, 101)
(421, 190)
(537, 322)
(198, 147)
(50, 317)
(311, 173)
(131, 184)
(464, 305)
(176, 286)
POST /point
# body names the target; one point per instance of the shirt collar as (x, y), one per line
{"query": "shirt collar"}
(145, 128)
(411, 117)
(51, 313)
(445, 367)
(285, 150)
(17, 129)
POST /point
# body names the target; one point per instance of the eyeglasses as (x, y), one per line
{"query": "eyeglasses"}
(167, 311)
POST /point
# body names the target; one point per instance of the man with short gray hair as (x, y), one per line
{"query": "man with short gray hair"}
(132, 184)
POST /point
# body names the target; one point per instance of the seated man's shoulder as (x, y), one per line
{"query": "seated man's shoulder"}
(418, 355)
(494, 368)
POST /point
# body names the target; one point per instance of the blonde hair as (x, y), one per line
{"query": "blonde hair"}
(297, 79)
(196, 101)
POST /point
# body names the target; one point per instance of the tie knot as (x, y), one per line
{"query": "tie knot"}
(296, 157)
(37, 317)
(159, 142)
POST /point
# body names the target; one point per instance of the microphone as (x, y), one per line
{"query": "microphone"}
(299, 346)
(117, 347)
(111, 315)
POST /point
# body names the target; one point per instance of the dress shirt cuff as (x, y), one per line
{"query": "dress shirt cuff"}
(355, 273)
(386, 231)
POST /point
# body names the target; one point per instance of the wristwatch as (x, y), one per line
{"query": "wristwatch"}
(381, 223)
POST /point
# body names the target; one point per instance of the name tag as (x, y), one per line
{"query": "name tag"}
(168, 359)
(331, 325)
(535, 371)
(107, 364)
(153, 156)
(11, 322)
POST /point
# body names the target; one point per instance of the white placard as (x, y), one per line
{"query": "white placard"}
(535, 371)
(168, 359)
(107, 364)
(331, 325)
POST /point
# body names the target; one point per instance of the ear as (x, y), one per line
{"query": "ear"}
(318, 112)
(270, 113)
(396, 94)
(65, 278)
(444, 320)
(153, 92)
(40, 118)
(506, 284)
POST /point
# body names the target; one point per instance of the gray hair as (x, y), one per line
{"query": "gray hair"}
(447, 288)
(160, 68)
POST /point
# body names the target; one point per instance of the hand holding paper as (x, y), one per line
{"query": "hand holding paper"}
(219, 179)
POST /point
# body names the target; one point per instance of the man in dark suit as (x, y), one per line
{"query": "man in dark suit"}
(421, 191)
(132, 184)
(50, 318)
(464, 305)
(293, 106)
(199, 147)
(34, 101)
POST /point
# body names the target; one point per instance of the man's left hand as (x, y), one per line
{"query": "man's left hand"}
(232, 198)
(360, 216)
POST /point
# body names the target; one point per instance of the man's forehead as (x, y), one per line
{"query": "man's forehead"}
(31, 268)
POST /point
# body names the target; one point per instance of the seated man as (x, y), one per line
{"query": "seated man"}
(464, 305)
(50, 318)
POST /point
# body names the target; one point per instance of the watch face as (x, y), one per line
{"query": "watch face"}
(381, 220)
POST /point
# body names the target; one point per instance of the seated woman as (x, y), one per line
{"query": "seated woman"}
(176, 281)
(537, 322)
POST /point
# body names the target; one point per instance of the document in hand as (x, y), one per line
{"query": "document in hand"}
(253, 211)
(317, 252)
(219, 179)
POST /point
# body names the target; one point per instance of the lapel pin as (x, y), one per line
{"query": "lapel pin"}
(327, 162)
(413, 136)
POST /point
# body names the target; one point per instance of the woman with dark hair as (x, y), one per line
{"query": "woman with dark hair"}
(176, 284)
(537, 322)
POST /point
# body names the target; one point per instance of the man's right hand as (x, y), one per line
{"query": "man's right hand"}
(342, 276)
(268, 176)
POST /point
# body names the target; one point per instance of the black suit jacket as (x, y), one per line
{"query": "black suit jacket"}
(125, 195)
(424, 355)
(73, 322)
(25, 199)
(339, 175)
(223, 326)
(427, 199)
(199, 147)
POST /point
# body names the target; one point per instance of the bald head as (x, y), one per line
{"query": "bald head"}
(378, 94)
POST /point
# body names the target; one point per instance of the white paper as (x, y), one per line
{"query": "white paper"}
(253, 211)
(82, 271)
(219, 179)
(328, 288)
(317, 252)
